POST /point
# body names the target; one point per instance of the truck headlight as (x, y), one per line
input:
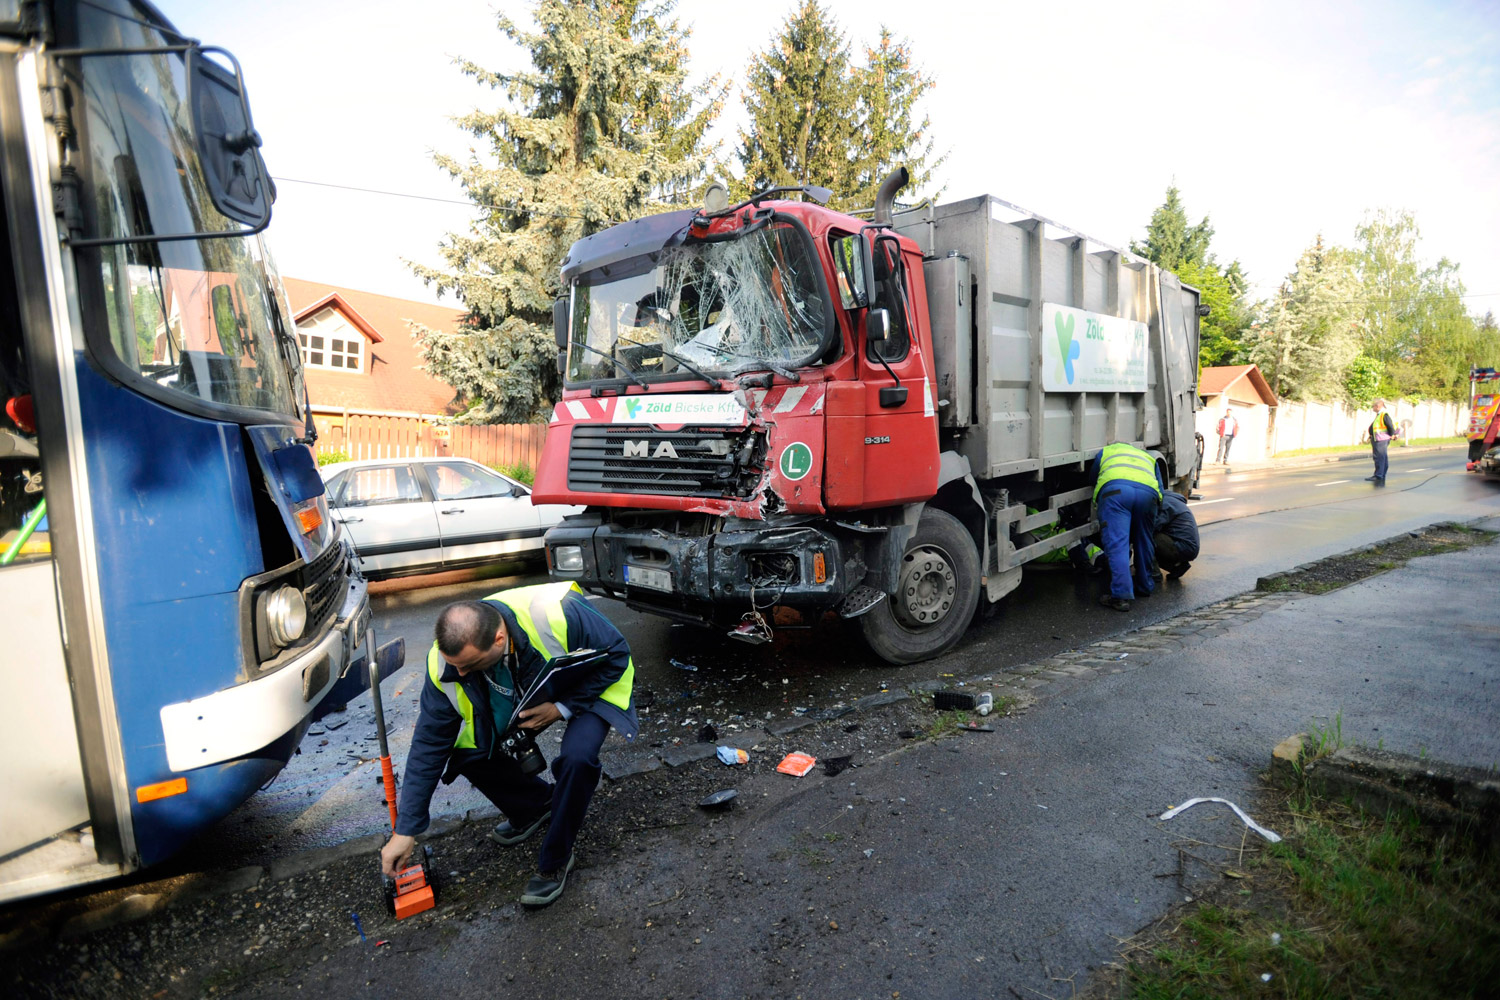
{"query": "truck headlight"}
(568, 558)
(286, 616)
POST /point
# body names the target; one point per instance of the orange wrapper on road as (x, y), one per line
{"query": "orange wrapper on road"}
(796, 764)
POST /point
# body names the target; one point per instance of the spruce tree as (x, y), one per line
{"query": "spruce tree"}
(1183, 249)
(1170, 241)
(603, 127)
(803, 108)
(888, 87)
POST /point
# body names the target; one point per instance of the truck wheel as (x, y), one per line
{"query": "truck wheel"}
(937, 592)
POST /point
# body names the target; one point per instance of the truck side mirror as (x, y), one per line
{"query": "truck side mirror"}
(562, 362)
(560, 322)
(228, 145)
(867, 267)
(877, 325)
(851, 267)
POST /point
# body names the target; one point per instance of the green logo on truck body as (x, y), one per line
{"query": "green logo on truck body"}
(796, 460)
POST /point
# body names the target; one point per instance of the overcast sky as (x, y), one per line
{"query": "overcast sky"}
(1277, 120)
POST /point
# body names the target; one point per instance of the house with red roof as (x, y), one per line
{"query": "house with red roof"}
(1243, 391)
(358, 353)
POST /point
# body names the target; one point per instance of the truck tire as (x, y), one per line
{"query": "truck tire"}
(937, 592)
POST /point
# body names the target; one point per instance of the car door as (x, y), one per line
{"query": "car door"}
(390, 518)
(481, 515)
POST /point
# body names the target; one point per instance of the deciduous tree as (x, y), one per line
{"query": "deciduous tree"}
(1305, 347)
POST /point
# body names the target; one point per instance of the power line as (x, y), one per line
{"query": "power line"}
(517, 209)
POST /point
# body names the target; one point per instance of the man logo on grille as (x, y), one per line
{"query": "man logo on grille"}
(637, 449)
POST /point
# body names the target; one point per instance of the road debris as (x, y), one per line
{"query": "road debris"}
(1273, 837)
(946, 700)
(718, 800)
(796, 764)
(732, 756)
(986, 703)
(690, 668)
(833, 766)
(974, 727)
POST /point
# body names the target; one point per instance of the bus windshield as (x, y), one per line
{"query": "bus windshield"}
(204, 318)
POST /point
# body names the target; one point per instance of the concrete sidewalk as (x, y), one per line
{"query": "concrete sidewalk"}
(1361, 453)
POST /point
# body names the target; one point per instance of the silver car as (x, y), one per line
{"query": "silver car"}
(424, 515)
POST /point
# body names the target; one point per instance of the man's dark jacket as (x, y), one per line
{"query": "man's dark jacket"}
(576, 691)
(1174, 520)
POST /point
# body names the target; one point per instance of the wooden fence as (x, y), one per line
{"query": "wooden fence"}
(369, 434)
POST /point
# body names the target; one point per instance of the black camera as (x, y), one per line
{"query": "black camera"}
(520, 745)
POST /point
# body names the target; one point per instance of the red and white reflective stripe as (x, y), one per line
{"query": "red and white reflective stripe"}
(791, 400)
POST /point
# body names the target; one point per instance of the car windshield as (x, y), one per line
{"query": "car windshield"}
(754, 302)
(204, 318)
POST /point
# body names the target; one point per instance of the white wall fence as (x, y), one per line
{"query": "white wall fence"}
(1332, 425)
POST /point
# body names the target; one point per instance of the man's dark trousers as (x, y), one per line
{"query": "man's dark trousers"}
(1127, 518)
(575, 774)
(1382, 458)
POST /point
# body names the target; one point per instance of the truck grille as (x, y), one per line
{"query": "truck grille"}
(693, 461)
(323, 582)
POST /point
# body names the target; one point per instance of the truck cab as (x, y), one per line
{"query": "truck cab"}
(720, 371)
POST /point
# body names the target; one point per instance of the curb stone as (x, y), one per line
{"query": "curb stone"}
(1445, 796)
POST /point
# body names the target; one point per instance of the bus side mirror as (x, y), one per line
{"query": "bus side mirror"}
(228, 145)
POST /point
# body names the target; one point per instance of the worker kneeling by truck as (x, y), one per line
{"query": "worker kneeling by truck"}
(1176, 535)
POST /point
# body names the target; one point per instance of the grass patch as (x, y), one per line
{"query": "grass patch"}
(1347, 905)
(1340, 571)
(1356, 449)
(947, 723)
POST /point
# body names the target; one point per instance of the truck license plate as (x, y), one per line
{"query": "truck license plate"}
(650, 579)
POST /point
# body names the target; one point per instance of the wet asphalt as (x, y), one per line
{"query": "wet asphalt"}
(1252, 524)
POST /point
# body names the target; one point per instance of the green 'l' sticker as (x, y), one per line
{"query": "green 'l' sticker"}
(796, 460)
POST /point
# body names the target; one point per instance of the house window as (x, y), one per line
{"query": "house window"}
(330, 341)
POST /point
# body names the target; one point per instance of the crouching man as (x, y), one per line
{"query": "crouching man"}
(486, 656)
(1176, 535)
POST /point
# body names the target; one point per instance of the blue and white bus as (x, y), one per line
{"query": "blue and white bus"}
(176, 601)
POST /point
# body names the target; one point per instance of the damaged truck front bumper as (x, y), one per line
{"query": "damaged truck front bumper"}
(709, 577)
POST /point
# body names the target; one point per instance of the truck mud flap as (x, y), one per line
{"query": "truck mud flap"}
(389, 658)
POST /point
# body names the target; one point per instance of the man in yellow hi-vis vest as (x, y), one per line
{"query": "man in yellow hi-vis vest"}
(487, 655)
(1382, 430)
(1127, 489)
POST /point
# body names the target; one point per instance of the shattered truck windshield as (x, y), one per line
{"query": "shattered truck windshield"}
(757, 301)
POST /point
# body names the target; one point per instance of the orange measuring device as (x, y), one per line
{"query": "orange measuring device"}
(413, 890)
